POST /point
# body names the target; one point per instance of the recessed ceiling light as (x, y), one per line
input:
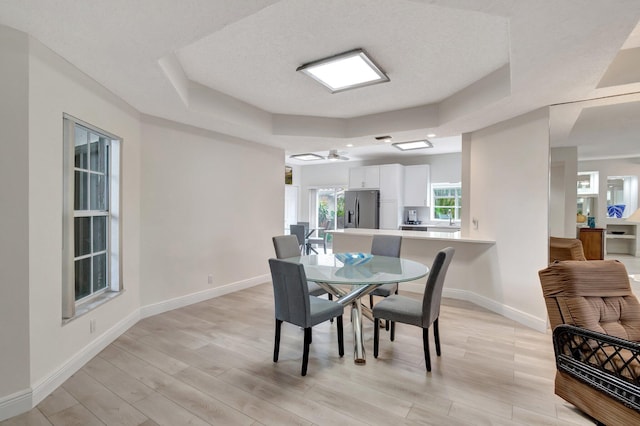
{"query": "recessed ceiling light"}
(307, 157)
(344, 71)
(349, 145)
(431, 135)
(406, 146)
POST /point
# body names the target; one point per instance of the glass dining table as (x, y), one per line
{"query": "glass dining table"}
(350, 276)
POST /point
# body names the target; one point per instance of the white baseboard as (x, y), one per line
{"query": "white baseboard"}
(20, 402)
(190, 299)
(24, 401)
(15, 404)
(528, 320)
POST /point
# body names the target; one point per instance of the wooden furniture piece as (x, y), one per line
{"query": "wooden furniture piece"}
(595, 319)
(592, 243)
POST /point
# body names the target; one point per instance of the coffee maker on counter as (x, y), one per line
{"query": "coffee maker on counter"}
(412, 218)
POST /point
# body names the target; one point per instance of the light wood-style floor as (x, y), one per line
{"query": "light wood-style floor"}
(211, 363)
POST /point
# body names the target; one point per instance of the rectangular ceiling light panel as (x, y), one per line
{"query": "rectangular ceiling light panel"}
(307, 157)
(345, 71)
(406, 146)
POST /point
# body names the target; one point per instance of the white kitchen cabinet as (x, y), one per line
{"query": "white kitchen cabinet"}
(391, 182)
(390, 214)
(365, 177)
(391, 196)
(416, 186)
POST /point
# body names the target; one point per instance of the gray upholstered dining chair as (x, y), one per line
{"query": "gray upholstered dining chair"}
(287, 246)
(300, 232)
(421, 313)
(385, 245)
(321, 239)
(294, 305)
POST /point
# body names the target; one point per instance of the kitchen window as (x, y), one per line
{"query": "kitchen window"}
(91, 217)
(446, 201)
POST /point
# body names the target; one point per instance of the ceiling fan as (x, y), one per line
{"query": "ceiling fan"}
(335, 155)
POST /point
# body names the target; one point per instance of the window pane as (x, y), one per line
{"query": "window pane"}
(98, 154)
(99, 272)
(81, 148)
(82, 234)
(81, 190)
(99, 233)
(98, 192)
(83, 277)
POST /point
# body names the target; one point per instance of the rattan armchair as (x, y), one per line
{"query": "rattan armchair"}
(596, 328)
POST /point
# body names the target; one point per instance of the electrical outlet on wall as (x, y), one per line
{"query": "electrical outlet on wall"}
(210, 279)
(92, 326)
(475, 223)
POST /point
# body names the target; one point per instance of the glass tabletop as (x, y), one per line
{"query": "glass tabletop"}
(328, 268)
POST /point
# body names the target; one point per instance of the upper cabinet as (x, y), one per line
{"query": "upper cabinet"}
(366, 177)
(391, 182)
(391, 194)
(416, 186)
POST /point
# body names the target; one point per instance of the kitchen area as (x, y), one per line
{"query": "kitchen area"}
(416, 197)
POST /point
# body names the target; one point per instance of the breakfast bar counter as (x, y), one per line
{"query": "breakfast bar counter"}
(472, 273)
(410, 235)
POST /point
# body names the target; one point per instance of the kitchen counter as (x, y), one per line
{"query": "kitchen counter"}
(413, 235)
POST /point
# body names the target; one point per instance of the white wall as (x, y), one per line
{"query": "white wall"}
(55, 87)
(562, 192)
(14, 204)
(196, 203)
(508, 184)
(210, 205)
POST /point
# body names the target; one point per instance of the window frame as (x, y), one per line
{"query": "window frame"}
(457, 207)
(71, 307)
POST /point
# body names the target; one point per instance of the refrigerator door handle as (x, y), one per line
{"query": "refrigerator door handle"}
(357, 213)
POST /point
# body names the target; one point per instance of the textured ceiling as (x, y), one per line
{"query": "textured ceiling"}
(429, 53)
(229, 66)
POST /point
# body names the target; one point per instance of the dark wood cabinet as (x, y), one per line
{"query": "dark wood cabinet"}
(592, 243)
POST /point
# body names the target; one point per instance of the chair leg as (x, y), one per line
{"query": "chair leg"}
(386, 325)
(425, 343)
(393, 331)
(371, 301)
(340, 336)
(276, 345)
(330, 297)
(305, 353)
(376, 337)
(436, 335)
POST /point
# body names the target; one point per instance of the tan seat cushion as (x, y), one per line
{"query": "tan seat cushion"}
(595, 295)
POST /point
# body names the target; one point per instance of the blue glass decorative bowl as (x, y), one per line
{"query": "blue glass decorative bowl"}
(615, 210)
(354, 258)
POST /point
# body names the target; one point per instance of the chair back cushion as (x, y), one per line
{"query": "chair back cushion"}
(290, 292)
(386, 245)
(435, 283)
(299, 232)
(565, 249)
(594, 294)
(286, 246)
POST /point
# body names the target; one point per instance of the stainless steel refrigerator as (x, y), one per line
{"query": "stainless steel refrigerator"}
(362, 209)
